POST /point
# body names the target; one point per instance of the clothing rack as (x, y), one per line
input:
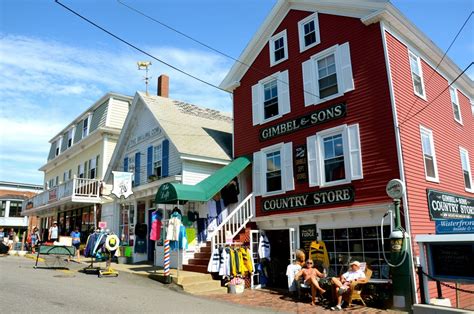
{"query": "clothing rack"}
(91, 269)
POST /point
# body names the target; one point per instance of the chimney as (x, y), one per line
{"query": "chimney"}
(163, 86)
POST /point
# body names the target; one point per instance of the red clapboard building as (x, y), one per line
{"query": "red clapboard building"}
(326, 100)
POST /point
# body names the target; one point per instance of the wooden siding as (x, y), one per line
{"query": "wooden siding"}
(118, 110)
(98, 117)
(144, 121)
(448, 135)
(78, 131)
(369, 104)
(194, 171)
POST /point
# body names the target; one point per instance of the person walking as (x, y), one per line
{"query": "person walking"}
(76, 242)
(35, 239)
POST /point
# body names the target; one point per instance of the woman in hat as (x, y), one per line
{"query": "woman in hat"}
(35, 239)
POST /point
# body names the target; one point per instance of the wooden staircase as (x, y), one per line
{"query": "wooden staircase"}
(200, 260)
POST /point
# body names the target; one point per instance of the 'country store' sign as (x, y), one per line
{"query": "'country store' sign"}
(444, 205)
(313, 199)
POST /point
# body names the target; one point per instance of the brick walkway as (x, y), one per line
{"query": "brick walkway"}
(280, 302)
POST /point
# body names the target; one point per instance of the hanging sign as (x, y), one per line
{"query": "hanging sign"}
(454, 226)
(52, 195)
(103, 224)
(300, 163)
(313, 199)
(317, 117)
(122, 184)
(444, 205)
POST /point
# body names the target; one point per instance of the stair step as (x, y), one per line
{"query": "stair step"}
(198, 261)
(196, 268)
(206, 255)
(200, 287)
(221, 290)
(206, 249)
(192, 278)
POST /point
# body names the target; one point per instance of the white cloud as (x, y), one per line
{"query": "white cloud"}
(45, 84)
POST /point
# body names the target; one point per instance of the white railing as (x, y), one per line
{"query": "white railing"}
(79, 189)
(234, 222)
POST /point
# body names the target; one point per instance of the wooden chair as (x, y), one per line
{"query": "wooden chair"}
(354, 293)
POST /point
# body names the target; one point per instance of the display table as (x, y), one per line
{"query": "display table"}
(54, 255)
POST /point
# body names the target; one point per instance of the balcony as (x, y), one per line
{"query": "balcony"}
(77, 190)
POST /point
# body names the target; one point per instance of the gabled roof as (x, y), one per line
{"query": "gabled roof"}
(369, 11)
(196, 132)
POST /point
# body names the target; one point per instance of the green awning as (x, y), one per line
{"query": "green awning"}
(172, 193)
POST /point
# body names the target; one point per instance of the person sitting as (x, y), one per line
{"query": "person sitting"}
(311, 277)
(292, 270)
(342, 284)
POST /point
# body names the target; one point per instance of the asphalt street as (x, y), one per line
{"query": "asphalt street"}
(28, 290)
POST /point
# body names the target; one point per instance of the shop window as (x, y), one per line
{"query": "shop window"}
(334, 156)
(270, 98)
(455, 103)
(466, 170)
(309, 32)
(278, 48)
(273, 170)
(417, 75)
(429, 156)
(327, 75)
(361, 243)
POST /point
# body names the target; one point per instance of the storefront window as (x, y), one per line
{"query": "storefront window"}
(362, 243)
(3, 205)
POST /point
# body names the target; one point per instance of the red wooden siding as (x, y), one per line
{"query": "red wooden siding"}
(369, 104)
(448, 135)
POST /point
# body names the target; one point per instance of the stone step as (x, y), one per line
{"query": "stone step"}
(189, 278)
(221, 290)
(202, 287)
(196, 268)
(198, 261)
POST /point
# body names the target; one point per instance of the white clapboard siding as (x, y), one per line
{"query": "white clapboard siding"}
(117, 112)
(194, 171)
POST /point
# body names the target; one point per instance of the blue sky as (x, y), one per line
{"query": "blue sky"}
(54, 66)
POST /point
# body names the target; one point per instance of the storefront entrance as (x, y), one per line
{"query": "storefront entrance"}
(280, 257)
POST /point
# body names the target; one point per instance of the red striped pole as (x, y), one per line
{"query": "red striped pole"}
(166, 262)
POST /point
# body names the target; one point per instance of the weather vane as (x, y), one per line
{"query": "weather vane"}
(144, 65)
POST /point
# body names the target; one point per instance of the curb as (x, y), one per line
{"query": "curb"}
(31, 256)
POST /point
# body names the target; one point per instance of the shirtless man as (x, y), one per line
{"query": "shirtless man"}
(311, 277)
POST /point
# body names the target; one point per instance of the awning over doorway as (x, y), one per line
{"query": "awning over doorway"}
(172, 193)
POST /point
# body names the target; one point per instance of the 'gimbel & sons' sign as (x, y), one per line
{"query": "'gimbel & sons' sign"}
(313, 199)
(444, 205)
(306, 121)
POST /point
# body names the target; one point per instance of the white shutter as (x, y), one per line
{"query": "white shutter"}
(283, 93)
(344, 56)
(257, 173)
(308, 83)
(288, 180)
(256, 105)
(313, 160)
(354, 151)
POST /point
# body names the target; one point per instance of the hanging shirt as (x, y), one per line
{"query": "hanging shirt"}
(319, 253)
(264, 247)
(214, 262)
(291, 271)
(174, 225)
(156, 225)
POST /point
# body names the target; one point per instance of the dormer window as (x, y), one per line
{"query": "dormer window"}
(278, 48)
(58, 146)
(85, 127)
(70, 135)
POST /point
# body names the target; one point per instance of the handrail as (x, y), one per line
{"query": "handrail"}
(234, 222)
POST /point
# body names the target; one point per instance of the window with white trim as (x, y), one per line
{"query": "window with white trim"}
(308, 30)
(58, 146)
(327, 75)
(70, 135)
(278, 48)
(85, 126)
(429, 156)
(157, 160)
(56, 182)
(93, 167)
(416, 75)
(466, 169)
(270, 98)
(455, 103)
(334, 156)
(273, 170)
(66, 176)
(80, 170)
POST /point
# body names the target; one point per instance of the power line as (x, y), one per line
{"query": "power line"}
(204, 44)
(444, 55)
(431, 102)
(139, 49)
